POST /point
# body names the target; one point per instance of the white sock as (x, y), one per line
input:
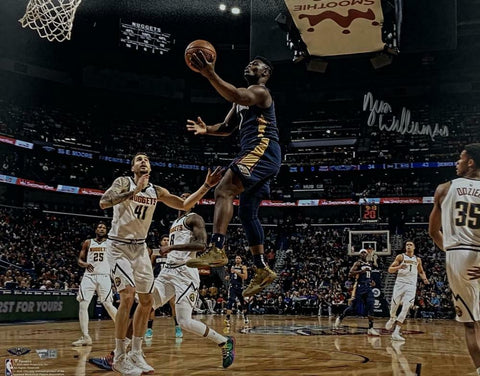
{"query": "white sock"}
(137, 344)
(119, 347)
(397, 329)
(83, 316)
(215, 337)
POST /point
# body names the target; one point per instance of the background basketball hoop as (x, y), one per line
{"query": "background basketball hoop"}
(53, 19)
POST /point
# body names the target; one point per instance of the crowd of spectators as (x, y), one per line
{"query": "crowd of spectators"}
(164, 136)
(40, 250)
(165, 139)
(347, 121)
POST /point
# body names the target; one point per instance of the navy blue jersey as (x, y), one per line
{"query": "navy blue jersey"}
(260, 158)
(158, 264)
(364, 278)
(236, 287)
(235, 280)
(256, 125)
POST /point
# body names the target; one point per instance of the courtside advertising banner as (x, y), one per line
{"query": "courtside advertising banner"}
(340, 27)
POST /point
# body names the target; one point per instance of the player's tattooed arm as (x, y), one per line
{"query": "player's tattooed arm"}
(117, 193)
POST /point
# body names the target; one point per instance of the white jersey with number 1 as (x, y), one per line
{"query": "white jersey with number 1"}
(409, 274)
(132, 218)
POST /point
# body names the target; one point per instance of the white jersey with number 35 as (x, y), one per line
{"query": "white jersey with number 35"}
(461, 215)
(132, 218)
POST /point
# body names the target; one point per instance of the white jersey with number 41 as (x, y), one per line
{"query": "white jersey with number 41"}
(132, 218)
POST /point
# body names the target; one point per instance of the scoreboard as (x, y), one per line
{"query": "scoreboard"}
(145, 38)
(369, 213)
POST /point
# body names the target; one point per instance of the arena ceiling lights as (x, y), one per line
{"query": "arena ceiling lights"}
(234, 9)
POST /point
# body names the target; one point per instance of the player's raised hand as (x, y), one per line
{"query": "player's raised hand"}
(198, 127)
(200, 62)
(142, 183)
(214, 177)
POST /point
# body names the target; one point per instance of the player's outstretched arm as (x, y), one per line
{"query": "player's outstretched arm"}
(253, 95)
(176, 202)
(226, 128)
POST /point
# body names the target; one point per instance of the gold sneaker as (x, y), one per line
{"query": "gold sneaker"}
(262, 278)
(212, 257)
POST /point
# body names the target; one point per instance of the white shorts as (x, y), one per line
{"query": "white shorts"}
(465, 293)
(130, 266)
(404, 293)
(181, 282)
(101, 283)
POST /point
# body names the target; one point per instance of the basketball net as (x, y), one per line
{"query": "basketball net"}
(53, 19)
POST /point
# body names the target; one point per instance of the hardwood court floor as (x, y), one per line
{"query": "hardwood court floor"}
(275, 346)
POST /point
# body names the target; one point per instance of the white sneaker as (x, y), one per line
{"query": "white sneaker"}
(389, 323)
(397, 337)
(373, 332)
(337, 324)
(139, 361)
(125, 366)
(83, 341)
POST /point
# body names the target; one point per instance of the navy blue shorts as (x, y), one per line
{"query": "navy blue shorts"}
(258, 166)
(234, 293)
(365, 294)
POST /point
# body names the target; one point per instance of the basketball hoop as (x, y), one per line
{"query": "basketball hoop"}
(53, 19)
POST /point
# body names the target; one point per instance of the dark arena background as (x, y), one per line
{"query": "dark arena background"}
(366, 137)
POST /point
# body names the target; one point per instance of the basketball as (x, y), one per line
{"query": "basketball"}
(200, 45)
